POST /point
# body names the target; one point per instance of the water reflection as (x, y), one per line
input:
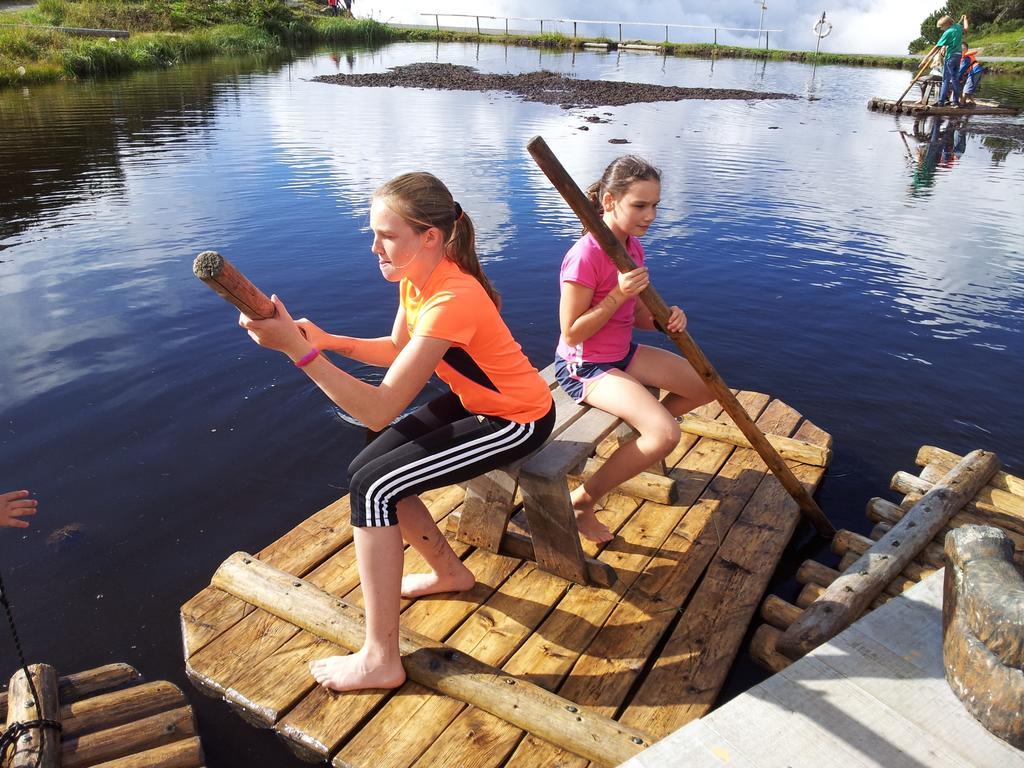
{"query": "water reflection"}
(940, 144)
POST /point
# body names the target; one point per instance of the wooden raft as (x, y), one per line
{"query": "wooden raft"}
(923, 109)
(600, 672)
(109, 718)
(999, 503)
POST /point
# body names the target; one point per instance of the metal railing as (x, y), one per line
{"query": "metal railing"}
(575, 22)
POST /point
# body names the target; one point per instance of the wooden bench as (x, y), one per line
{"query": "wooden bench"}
(542, 477)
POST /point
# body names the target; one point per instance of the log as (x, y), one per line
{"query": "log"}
(990, 507)
(812, 592)
(120, 707)
(787, 447)
(646, 485)
(779, 613)
(124, 740)
(849, 595)
(581, 206)
(79, 685)
(186, 753)
(983, 629)
(881, 511)
(433, 664)
(762, 649)
(1003, 481)
(222, 276)
(813, 572)
(849, 543)
(36, 747)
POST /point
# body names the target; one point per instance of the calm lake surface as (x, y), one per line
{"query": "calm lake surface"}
(866, 270)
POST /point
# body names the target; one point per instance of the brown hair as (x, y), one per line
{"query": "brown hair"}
(618, 177)
(423, 201)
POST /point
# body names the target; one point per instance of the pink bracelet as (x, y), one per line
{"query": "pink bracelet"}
(308, 358)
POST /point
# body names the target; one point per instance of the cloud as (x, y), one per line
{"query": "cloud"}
(860, 26)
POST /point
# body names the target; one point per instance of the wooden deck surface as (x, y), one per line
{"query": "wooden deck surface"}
(876, 695)
(652, 651)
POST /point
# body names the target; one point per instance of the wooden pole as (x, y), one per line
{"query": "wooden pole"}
(221, 275)
(594, 224)
(849, 595)
(435, 665)
(787, 447)
(917, 76)
(36, 747)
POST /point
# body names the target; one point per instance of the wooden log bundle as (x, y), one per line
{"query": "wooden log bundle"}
(109, 718)
(983, 629)
(434, 665)
(849, 595)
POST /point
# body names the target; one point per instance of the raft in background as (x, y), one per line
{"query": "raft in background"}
(919, 109)
(109, 718)
(554, 671)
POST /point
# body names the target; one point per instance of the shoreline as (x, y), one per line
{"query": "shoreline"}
(35, 56)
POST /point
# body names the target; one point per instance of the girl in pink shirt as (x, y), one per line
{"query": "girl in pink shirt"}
(597, 361)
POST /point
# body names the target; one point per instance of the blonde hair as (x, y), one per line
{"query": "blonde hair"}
(944, 22)
(423, 201)
(618, 177)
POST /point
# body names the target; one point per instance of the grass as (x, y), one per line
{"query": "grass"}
(1005, 43)
(168, 32)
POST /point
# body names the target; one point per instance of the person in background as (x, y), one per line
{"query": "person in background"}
(332, 7)
(950, 40)
(970, 74)
(14, 506)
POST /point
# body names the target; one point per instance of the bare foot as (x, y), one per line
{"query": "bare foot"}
(420, 584)
(592, 528)
(355, 673)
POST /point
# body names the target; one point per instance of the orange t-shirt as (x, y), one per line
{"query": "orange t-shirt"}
(484, 366)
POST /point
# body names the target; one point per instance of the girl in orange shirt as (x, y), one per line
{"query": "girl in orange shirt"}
(499, 408)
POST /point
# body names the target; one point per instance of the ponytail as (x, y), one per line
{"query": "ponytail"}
(424, 201)
(618, 177)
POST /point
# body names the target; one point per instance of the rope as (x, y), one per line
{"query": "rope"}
(9, 738)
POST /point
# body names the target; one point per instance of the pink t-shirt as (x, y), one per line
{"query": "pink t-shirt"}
(588, 265)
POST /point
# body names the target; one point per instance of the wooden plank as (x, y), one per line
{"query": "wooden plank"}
(490, 501)
(186, 753)
(849, 595)
(230, 656)
(119, 707)
(695, 746)
(922, 698)
(721, 607)
(431, 663)
(550, 653)
(771, 734)
(491, 635)
(211, 612)
(263, 691)
(323, 720)
(553, 531)
(438, 736)
(123, 740)
(878, 734)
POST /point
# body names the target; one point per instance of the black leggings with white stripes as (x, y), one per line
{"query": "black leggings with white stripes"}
(439, 444)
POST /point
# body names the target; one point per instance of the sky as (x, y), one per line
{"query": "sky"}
(859, 26)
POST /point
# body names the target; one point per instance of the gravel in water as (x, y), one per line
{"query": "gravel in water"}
(545, 87)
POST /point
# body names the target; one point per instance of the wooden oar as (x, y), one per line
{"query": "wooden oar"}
(925, 65)
(594, 224)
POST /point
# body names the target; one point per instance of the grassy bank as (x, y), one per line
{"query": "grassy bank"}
(163, 33)
(1003, 43)
(169, 32)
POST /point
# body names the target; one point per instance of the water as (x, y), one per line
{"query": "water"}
(870, 278)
